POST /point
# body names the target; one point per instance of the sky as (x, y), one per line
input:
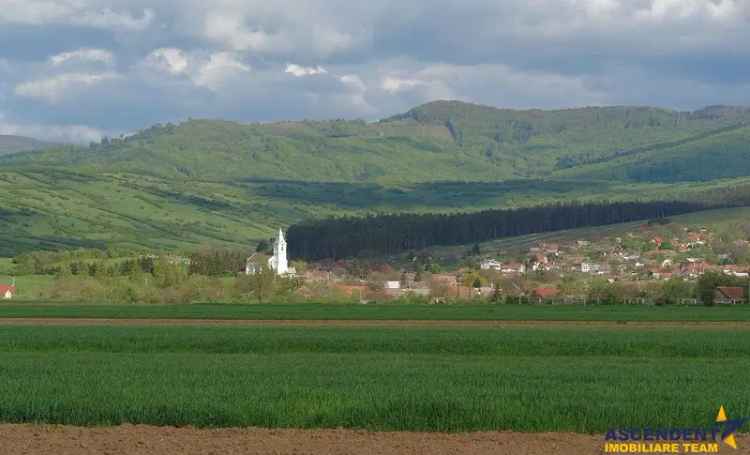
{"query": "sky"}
(76, 70)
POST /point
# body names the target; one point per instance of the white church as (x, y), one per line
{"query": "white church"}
(278, 262)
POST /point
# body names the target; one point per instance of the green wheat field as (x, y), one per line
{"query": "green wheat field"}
(550, 378)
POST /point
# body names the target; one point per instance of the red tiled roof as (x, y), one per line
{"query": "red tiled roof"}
(732, 292)
(5, 288)
(546, 293)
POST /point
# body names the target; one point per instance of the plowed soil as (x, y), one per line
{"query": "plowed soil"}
(149, 440)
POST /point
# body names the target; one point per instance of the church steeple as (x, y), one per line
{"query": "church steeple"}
(279, 255)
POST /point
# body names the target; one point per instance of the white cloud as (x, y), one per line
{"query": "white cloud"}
(229, 29)
(219, 67)
(301, 71)
(283, 27)
(353, 82)
(72, 12)
(83, 55)
(54, 89)
(355, 95)
(672, 10)
(168, 59)
(493, 84)
(210, 71)
(394, 84)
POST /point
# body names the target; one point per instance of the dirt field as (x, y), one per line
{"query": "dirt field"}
(147, 440)
(741, 325)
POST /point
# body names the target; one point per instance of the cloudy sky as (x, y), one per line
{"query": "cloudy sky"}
(73, 70)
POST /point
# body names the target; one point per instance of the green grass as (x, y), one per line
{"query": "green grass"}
(322, 311)
(583, 380)
(29, 286)
(6, 267)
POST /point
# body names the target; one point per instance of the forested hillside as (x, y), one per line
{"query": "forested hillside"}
(218, 182)
(338, 238)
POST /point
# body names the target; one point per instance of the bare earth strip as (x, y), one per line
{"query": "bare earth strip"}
(142, 440)
(372, 323)
(149, 440)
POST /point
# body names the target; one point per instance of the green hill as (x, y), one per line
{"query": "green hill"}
(721, 154)
(217, 182)
(14, 144)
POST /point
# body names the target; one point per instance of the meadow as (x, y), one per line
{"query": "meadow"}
(525, 379)
(380, 311)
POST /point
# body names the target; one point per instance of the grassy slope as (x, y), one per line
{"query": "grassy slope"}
(723, 155)
(584, 380)
(14, 144)
(214, 182)
(464, 312)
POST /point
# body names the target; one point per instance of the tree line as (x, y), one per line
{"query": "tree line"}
(338, 238)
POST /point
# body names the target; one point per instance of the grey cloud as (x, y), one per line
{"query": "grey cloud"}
(231, 58)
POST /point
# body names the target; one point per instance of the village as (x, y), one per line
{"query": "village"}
(640, 266)
(649, 263)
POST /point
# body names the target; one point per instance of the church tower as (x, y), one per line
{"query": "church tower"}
(279, 253)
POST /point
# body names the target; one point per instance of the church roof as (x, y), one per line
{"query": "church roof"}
(258, 258)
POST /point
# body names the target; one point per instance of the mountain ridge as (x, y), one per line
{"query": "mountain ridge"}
(220, 182)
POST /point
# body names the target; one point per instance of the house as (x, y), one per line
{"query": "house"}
(7, 292)
(699, 239)
(735, 271)
(513, 268)
(661, 274)
(545, 293)
(490, 264)
(693, 268)
(729, 295)
(551, 248)
(392, 288)
(317, 276)
(444, 279)
(540, 262)
(590, 267)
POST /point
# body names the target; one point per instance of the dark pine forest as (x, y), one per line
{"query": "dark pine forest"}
(337, 238)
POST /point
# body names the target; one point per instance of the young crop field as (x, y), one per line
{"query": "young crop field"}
(29, 286)
(382, 312)
(524, 379)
